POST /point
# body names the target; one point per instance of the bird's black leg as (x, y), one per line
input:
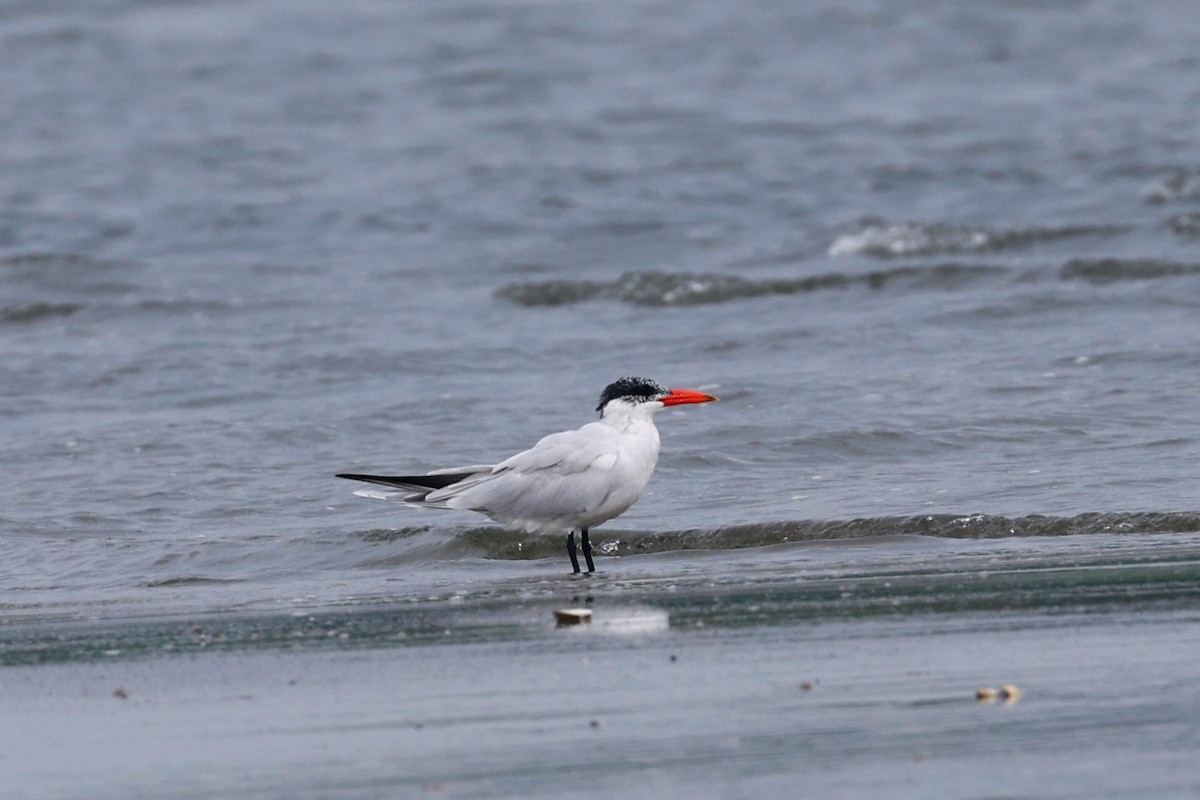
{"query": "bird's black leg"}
(571, 550)
(587, 551)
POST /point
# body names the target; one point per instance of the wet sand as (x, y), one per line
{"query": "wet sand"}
(827, 670)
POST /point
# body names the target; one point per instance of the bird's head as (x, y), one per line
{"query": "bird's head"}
(640, 391)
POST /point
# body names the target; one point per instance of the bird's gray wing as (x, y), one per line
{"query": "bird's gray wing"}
(563, 475)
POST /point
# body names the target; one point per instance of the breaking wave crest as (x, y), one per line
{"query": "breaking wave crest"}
(495, 543)
(897, 239)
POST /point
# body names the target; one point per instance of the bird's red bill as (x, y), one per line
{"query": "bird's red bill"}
(678, 397)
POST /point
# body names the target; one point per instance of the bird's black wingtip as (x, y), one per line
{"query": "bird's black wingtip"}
(358, 476)
(420, 483)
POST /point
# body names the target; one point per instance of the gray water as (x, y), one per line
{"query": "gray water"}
(939, 261)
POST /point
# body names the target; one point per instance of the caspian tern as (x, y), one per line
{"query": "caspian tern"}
(569, 481)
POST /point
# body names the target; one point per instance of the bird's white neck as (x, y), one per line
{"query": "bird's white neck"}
(624, 415)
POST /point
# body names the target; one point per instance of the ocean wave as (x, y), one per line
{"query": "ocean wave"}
(1186, 224)
(188, 580)
(34, 312)
(1111, 270)
(951, 526)
(496, 543)
(881, 239)
(687, 288)
(683, 288)
(68, 273)
(1180, 184)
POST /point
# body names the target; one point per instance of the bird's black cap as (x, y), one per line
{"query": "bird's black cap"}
(638, 390)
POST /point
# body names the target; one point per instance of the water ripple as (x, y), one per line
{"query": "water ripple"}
(34, 312)
(683, 288)
(1111, 270)
(424, 543)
